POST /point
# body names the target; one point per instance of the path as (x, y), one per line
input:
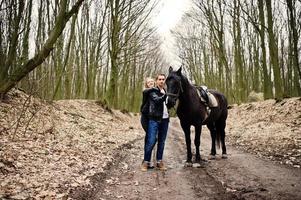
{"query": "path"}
(241, 176)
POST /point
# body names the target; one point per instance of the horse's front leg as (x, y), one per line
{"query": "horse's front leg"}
(197, 142)
(186, 129)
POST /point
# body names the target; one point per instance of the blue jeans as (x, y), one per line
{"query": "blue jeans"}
(144, 122)
(154, 128)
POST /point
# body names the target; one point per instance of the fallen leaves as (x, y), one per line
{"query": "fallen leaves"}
(269, 129)
(65, 143)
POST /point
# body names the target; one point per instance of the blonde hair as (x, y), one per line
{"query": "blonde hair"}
(147, 80)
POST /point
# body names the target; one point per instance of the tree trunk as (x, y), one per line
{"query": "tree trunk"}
(294, 40)
(273, 49)
(267, 85)
(11, 57)
(8, 82)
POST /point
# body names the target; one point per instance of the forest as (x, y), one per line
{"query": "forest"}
(72, 74)
(243, 46)
(103, 49)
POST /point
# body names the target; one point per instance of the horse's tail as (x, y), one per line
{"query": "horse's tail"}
(220, 132)
(221, 123)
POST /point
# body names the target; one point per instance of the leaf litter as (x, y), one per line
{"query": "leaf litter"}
(270, 129)
(49, 149)
(46, 154)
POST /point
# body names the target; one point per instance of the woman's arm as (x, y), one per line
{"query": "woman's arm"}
(156, 98)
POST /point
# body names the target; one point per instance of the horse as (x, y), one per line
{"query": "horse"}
(192, 112)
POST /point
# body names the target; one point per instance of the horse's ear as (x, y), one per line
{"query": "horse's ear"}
(179, 72)
(170, 69)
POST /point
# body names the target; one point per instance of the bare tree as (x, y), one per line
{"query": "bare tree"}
(9, 80)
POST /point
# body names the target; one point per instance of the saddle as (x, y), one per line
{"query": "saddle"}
(207, 98)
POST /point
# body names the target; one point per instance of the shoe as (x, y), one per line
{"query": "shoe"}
(144, 166)
(150, 166)
(161, 166)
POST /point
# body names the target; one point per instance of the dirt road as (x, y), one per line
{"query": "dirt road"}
(241, 176)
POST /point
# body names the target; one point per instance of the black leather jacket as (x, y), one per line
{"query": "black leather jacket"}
(144, 108)
(152, 103)
(156, 103)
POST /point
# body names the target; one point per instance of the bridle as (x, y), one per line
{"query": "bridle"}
(173, 95)
(178, 93)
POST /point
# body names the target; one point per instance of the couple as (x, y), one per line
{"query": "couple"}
(154, 120)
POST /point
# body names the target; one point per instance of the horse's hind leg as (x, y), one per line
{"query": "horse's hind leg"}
(186, 129)
(197, 142)
(213, 131)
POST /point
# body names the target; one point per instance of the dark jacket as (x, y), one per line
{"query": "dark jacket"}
(144, 108)
(156, 103)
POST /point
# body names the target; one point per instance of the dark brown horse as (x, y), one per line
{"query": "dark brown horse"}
(192, 112)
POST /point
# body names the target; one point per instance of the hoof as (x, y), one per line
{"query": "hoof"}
(212, 157)
(197, 160)
(224, 156)
(201, 164)
(188, 164)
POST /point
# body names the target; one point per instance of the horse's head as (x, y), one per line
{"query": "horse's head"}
(174, 86)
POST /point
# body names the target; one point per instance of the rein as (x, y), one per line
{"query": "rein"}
(173, 95)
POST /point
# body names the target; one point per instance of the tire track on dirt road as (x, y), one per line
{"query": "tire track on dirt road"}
(241, 176)
(245, 176)
(124, 180)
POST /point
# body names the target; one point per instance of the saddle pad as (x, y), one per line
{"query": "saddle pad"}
(212, 100)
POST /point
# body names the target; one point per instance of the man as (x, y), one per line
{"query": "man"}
(157, 125)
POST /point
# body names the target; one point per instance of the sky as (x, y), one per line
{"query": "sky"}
(170, 13)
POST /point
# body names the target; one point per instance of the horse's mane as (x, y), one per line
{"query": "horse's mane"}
(185, 79)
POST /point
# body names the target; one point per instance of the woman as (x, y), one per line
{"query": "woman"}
(158, 120)
(144, 109)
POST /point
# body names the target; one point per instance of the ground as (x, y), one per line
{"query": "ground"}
(78, 149)
(270, 129)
